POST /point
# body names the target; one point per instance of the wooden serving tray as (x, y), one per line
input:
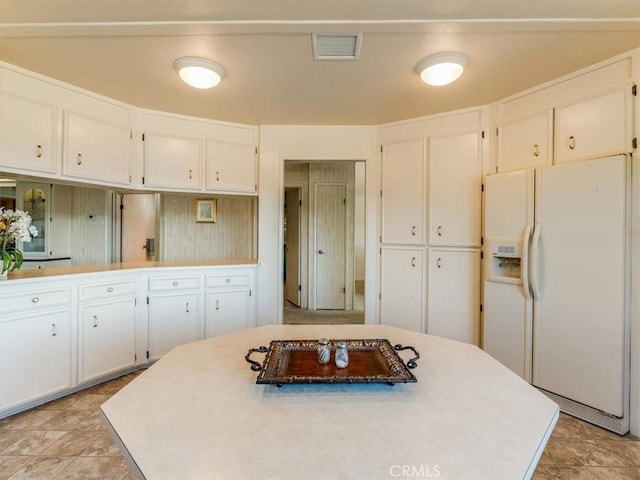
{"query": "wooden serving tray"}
(370, 361)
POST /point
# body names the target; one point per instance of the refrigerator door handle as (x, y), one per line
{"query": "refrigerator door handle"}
(534, 276)
(524, 263)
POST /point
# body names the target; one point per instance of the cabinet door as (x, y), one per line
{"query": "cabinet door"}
(107, 338)
(172, 162)
(453, 300)
(403, 187)
(525, 143)
(95, 150)
(27, 134)
(402, 288)
(226, 312)
(231, 167)
(597, 127)
(455, 190)
(173, 321)
(35, 356)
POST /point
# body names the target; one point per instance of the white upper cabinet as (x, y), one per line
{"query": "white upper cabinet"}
(27, 134)
(525, 143)
(231, 167)
(455, 190)
(403, 192)
(172, 162)
(598, 126)
(95, 150)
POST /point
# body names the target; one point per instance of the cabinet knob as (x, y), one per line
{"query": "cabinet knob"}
(110, 289)
(536, 150)
(79, 159)
(228, 280)
(35, 299)
(38, 151)
(175, 283)
(572, 142)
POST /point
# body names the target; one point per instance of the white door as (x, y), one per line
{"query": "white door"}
(403, 192)
(453, 301)
(138, 226)
(292, 244)
(579, 289)
(402, 288)
(330, 246)
(507, 303)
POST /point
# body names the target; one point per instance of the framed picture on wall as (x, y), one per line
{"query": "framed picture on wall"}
(206, 210)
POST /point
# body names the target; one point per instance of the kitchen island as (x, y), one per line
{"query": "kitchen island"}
(198, 414)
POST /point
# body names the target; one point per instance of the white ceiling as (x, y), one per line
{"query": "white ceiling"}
(125, 49)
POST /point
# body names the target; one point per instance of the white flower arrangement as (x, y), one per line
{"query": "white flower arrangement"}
(14, 226)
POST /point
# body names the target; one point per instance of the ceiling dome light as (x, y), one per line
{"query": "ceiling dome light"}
(441, 69)
(199, 72)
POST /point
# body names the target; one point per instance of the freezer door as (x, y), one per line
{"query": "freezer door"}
(579, 315)
(507, 306)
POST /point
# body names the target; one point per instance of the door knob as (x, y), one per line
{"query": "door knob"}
(321, 252)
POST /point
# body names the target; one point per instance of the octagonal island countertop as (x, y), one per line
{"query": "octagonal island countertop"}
(198, 414)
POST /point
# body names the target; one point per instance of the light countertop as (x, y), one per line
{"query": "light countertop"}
(198, 414)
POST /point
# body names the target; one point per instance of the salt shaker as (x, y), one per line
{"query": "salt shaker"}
(342, 355)
(324, 353)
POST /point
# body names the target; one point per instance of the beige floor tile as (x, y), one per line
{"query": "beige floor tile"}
(10, 465)
(90, 401)
(93, 468)
(103, 446)
(568, 473)
(72, 444)
(29, 420)
(555, 453)
(615, 473)
(42, 468)
(69, 420)
(596, 454)
(31, 443)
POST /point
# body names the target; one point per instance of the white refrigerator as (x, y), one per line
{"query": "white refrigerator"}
(556, 287)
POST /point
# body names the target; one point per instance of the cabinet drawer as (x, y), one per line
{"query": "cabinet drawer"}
(173, 283)
(217, 281)
(36, 299)
(107, 290)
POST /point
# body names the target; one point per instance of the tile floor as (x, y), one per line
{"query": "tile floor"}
(65, 439)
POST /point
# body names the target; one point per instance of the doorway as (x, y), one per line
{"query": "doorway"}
(323, 232)
(138, 212)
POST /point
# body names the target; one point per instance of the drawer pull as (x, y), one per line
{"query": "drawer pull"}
(187, 307)
(95, 321)
(79, 159)
(110, 289)
(217, 304)
(217, 176)
(439, 230)
(175, 283)
(35, 299)
(413, 230)
(439, 263)
(536, 150)
(38, 151)
(413, 261)
(190, 174)
(572, 142)
(54, 330)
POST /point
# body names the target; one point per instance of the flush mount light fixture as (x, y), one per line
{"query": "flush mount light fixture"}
(199, 72)
(442, 68)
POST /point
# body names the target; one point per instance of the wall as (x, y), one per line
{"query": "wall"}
(313, 143)
(90, 226)
(181, 238)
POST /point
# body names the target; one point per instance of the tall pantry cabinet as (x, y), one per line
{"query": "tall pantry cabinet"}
(430, 225)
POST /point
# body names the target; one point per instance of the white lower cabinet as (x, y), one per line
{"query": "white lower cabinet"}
(173, 312)
(402, 288)
(453, 299)
(106, 327)
(107, 337)
(229, 304)
(35, 356)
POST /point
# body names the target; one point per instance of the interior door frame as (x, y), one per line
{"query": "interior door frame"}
(299, 189)
(314, 301)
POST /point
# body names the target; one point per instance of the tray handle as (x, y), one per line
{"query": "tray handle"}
(412, 361)
(255, 366)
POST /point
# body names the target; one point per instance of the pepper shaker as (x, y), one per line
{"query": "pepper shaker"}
(324, 353)
(342, 355)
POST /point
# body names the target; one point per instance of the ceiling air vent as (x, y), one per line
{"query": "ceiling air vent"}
(336, 46)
